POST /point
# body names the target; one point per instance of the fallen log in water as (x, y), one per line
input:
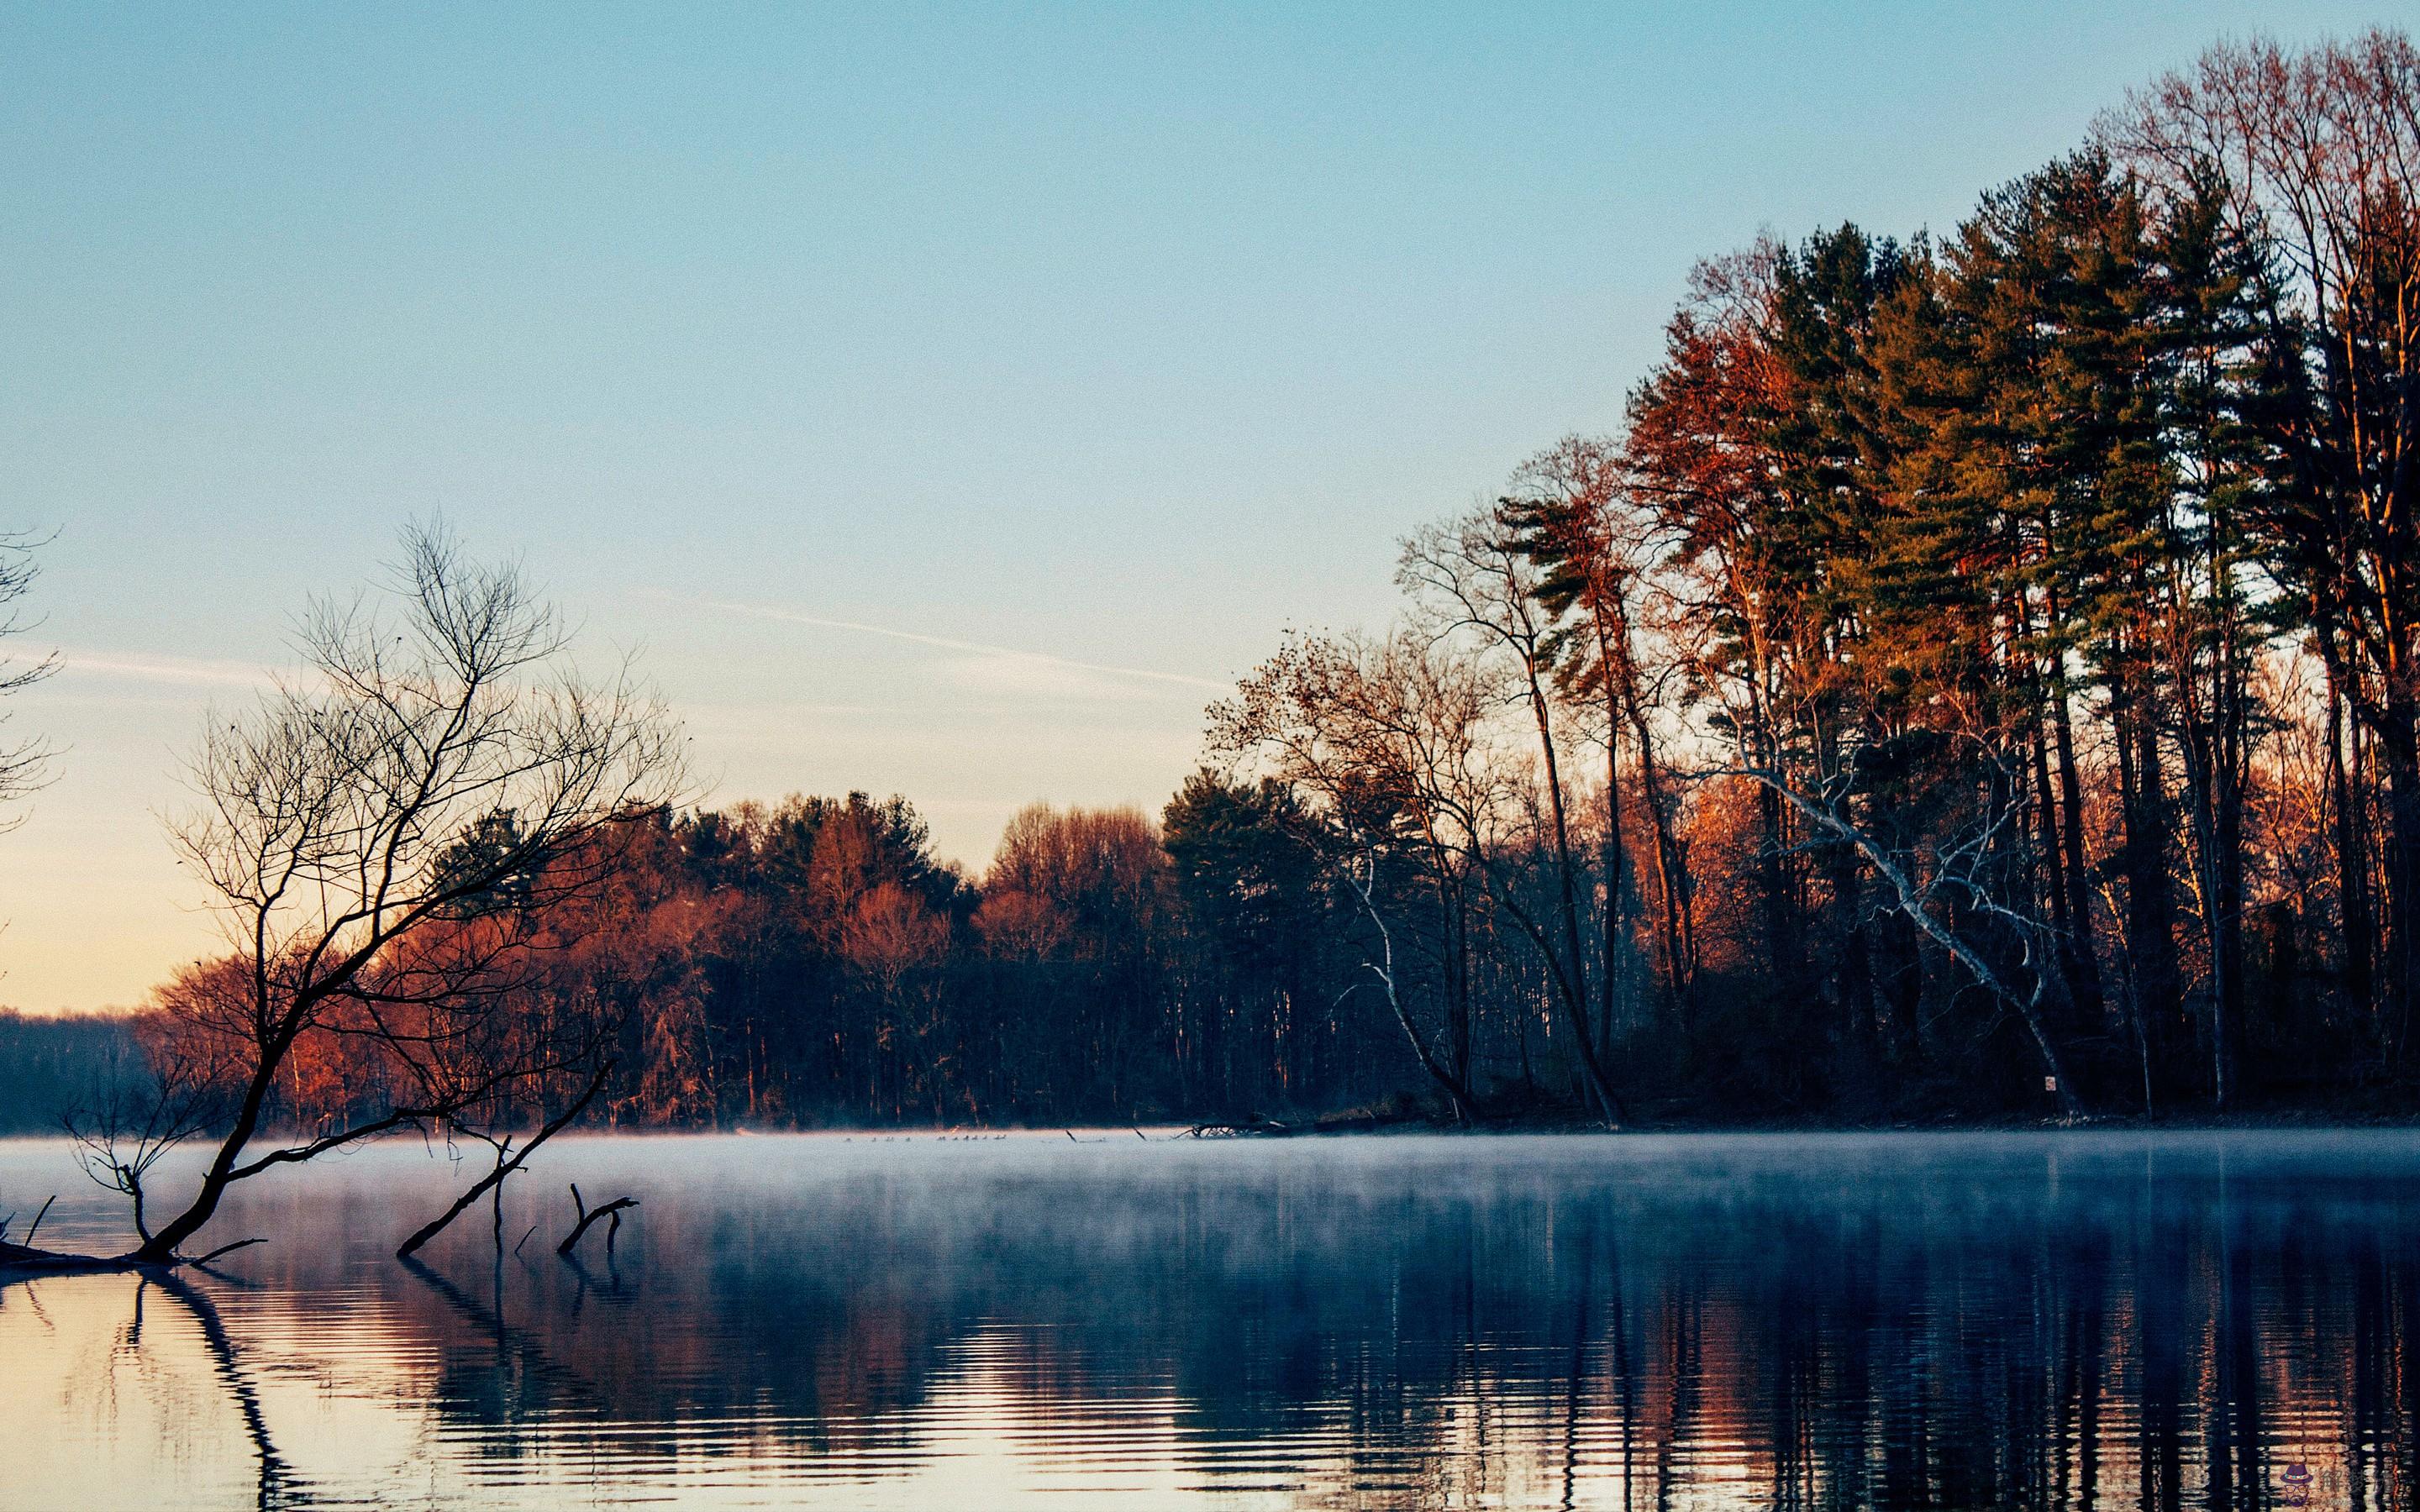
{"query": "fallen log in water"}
(26, 1259)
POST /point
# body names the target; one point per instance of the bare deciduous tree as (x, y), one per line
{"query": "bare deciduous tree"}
(1393, 746)
(23, 764)
(1476, 582)
(330, 828)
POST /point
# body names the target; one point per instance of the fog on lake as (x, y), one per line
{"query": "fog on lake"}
(2053, 1320)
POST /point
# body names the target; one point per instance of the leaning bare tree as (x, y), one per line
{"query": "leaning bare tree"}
(386, 837)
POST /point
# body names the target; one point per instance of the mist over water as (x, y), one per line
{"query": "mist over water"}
(2063, 1320)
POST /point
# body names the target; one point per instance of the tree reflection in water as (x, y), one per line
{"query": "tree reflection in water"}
(2111, 1321)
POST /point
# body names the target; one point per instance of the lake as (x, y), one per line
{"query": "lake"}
(2054, 1319)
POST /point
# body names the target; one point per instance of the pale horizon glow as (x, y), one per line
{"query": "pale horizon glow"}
(947, 403)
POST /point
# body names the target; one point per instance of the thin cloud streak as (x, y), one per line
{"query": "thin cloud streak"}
(142, 667)
(946, 644)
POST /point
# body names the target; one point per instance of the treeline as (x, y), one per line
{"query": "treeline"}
(47, 1063)
(1978, 679)
(813, 964)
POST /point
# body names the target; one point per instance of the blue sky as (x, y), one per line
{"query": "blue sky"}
(947, 399)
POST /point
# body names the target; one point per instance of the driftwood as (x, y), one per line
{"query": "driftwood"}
(589, 1215)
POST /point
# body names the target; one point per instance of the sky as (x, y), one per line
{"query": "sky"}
(946, 401)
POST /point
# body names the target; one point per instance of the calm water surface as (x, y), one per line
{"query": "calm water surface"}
(1643, 1321)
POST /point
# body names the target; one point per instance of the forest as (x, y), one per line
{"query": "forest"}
(1975, 680)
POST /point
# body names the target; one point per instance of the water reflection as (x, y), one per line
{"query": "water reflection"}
(2107, 1321)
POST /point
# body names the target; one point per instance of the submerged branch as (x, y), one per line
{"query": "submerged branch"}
(589, 1216)
(495, 1179)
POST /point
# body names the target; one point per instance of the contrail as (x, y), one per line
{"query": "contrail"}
(945, 643)
(144, 668)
